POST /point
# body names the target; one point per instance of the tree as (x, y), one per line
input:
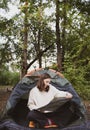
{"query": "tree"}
(25, 41)
(77, 42)
(4, 4)
(58, 40)
(64, 24)
(40, 35)
(29, 37)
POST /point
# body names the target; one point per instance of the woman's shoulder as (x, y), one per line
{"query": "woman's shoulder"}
(52, 87)
(34, 89)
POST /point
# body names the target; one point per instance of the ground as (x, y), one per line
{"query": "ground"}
(4, 95)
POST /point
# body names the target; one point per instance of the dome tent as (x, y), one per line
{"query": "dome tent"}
(16, 110)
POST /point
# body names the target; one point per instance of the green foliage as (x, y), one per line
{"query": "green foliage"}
(74, 34)
(75, 76)
(80, 79)
(87, 74)
(8, 78)
(3, 3)
(83, 91)
(81, 85)
(54, 66)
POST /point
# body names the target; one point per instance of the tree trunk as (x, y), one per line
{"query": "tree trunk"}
(64, 32)
(25, 40)
(39, 38)
(39, 56)
(58, 41)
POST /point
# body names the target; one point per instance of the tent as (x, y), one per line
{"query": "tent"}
(15, 112)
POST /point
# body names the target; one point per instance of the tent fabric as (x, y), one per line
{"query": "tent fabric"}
(29, 82)
(10, 125)
(16, 108)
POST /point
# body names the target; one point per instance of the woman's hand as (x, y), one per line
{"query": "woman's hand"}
(68, 95)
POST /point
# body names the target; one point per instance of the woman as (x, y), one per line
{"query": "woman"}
(40, 96)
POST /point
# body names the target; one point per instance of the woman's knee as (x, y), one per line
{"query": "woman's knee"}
(31, 114)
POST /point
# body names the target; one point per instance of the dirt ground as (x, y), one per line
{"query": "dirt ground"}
(4, 95)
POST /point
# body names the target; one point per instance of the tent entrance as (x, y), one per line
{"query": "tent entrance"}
(20, 112)
(67, 113)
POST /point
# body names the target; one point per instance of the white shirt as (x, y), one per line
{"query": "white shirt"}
(38, 99)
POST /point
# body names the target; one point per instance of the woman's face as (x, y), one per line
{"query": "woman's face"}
(47, 82)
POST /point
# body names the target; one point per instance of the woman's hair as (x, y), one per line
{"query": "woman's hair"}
(40, 83)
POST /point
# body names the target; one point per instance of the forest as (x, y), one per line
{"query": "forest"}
(46, 34)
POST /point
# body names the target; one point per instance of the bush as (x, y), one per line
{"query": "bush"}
(83, 91)
(8, 77)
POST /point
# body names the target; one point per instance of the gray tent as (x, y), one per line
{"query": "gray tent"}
(16, 110)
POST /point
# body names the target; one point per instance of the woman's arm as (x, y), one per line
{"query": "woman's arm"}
(31, 104)
(62, 94)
